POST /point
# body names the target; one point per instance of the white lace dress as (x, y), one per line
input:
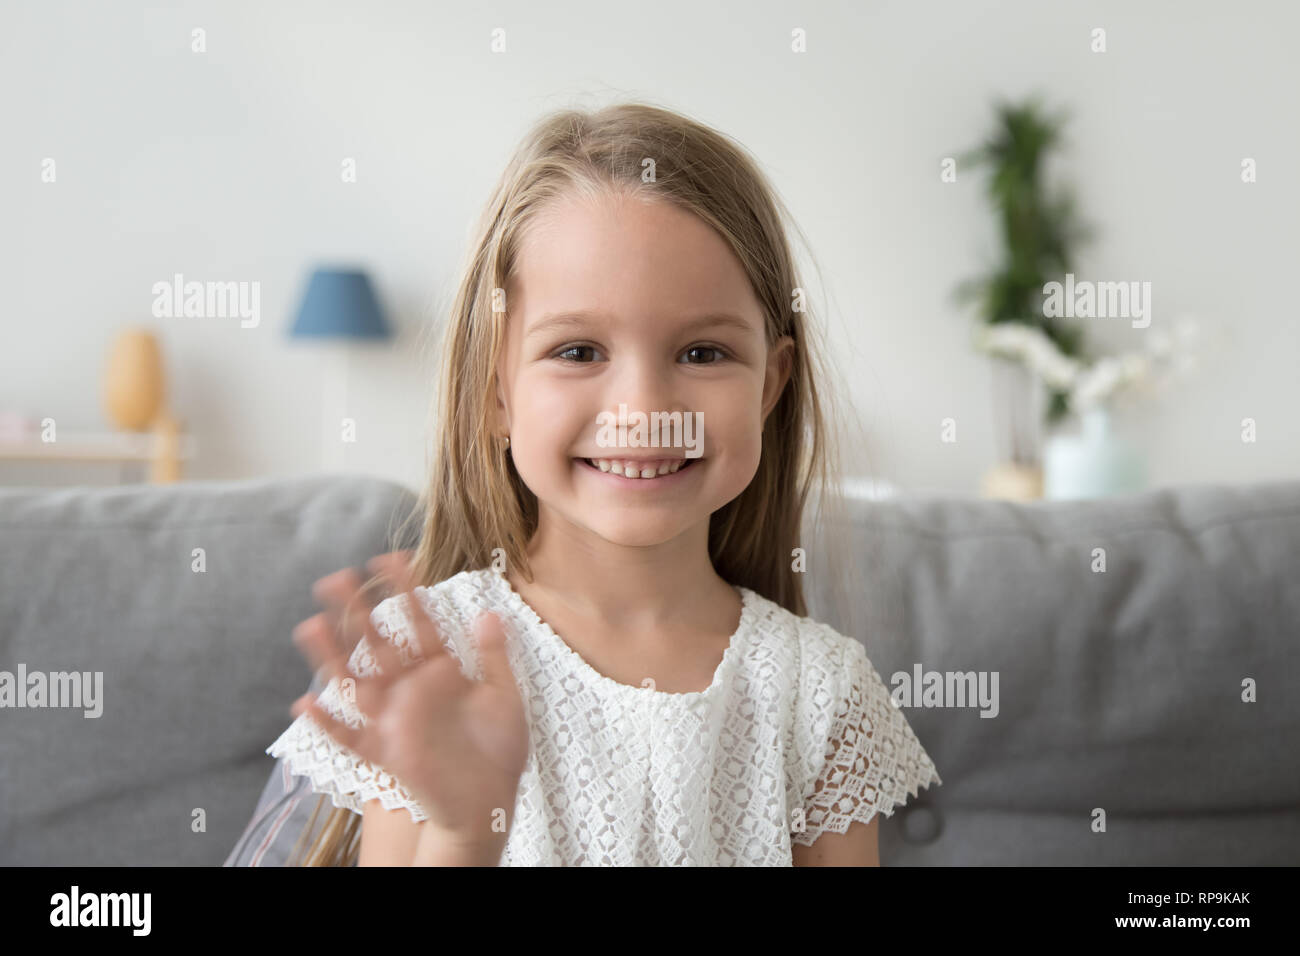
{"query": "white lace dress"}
(796, 736)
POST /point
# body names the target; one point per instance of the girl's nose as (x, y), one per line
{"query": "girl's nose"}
(643, 386)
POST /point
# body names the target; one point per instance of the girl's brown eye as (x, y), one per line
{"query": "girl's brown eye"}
(703, 348)
(567, 354)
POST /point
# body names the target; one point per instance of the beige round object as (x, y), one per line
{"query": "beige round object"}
(133, 383)
(1013, 483)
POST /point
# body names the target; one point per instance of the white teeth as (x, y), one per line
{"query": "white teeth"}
(634, 469)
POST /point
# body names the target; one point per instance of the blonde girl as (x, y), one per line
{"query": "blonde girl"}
(600, 654)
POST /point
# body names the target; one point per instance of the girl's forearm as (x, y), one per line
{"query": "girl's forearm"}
(437, 849)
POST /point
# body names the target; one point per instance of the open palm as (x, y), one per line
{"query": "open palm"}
(458, 745)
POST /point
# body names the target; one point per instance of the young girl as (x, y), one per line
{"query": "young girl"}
(602, 655)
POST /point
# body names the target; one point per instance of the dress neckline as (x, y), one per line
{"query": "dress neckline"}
(588, 673)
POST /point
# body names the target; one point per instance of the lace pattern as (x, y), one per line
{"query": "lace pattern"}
(872, 760)
(796, 736)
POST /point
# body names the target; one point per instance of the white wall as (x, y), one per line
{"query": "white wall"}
(225, 165)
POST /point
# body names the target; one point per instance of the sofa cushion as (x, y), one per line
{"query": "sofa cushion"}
(184, 597)
(1118, 690)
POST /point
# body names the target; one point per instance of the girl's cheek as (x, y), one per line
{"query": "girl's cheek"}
(545, 402)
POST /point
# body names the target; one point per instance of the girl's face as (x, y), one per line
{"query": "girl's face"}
(625, 302)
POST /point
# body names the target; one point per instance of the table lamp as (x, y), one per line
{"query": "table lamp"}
(339, 304)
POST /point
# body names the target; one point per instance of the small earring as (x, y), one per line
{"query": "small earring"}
(507, 444)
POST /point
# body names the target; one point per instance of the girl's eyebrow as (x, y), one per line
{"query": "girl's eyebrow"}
(578, 319)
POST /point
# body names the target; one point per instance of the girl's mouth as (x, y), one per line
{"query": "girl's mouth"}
(639, 471)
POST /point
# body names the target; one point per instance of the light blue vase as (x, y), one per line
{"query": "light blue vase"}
(1092, 464)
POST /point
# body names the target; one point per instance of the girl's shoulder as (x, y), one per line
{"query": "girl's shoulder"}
(818, 645)
(836, 688)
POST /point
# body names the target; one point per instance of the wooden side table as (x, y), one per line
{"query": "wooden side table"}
(163, 449)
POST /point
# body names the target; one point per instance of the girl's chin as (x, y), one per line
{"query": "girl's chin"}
(635, 534)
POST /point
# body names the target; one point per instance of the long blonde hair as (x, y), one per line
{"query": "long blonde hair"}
(475, 501)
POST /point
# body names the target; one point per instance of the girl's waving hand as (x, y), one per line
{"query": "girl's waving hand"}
(459, 745)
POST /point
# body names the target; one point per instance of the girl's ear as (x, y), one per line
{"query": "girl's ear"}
(780, 362)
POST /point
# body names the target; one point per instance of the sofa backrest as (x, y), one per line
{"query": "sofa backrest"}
(184, 598)
(1120, 691)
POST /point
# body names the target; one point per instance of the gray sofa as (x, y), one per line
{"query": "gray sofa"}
(1118, 691)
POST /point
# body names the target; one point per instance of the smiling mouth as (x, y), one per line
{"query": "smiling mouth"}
(641, 470)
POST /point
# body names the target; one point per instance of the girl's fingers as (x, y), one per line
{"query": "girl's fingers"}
(342, 582)
(395, 566)
(386, 656)
(346, 601)
(492, 651)
(398, 576)
(347, 736)
(315, 641)
(426, 632)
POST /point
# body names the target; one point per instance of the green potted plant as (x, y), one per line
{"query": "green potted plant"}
(1039, 231)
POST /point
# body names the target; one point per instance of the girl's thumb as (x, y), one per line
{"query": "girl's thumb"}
(492, 650)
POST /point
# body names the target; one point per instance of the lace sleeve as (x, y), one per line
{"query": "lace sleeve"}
(332, 768)
(873, 760)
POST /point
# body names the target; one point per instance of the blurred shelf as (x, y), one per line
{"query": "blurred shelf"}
(163, 452)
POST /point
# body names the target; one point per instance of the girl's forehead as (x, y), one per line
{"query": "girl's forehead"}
(648, 260)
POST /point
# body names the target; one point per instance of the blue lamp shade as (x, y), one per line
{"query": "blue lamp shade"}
(340, 303)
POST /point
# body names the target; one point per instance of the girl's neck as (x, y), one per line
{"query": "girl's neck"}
(612, 585)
